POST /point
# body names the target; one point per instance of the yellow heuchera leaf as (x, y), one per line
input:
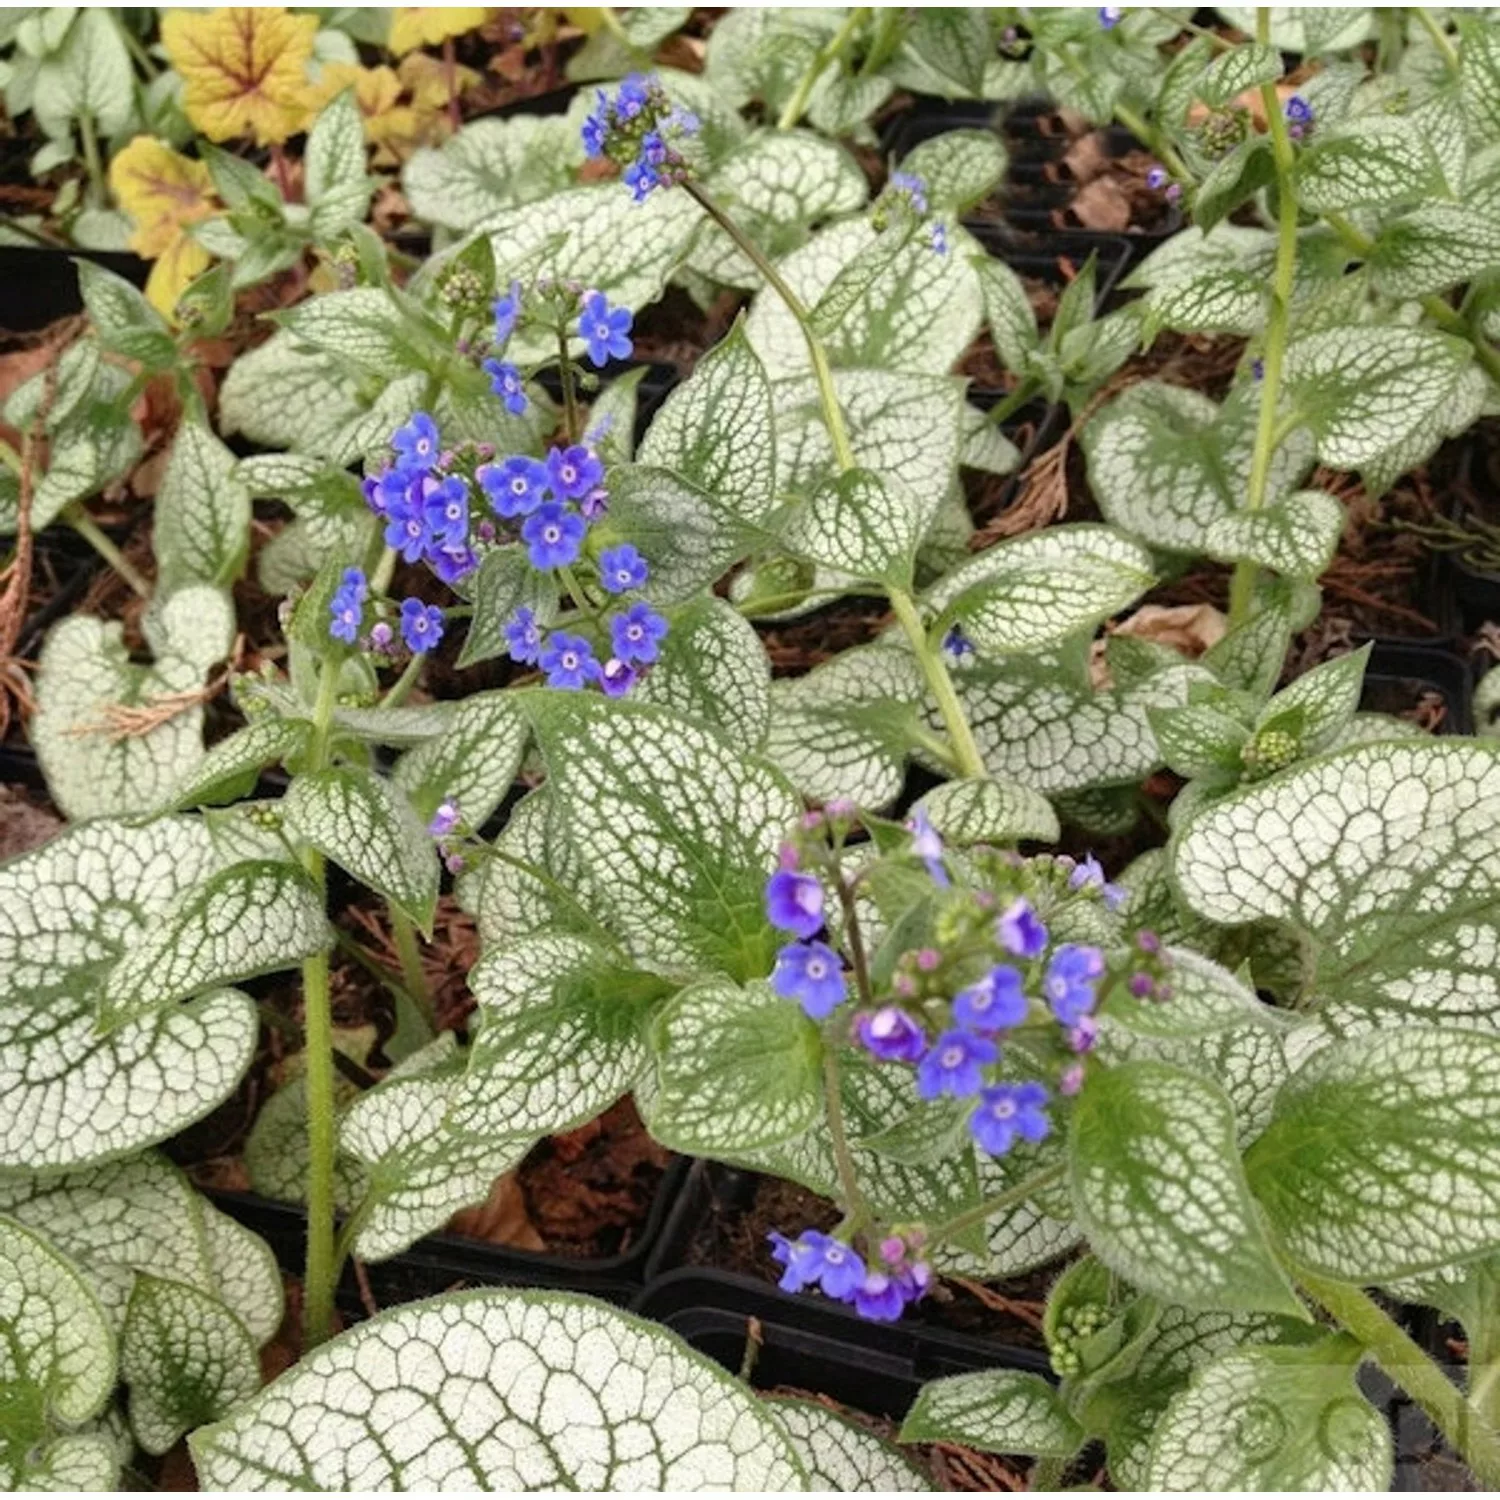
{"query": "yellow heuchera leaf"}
(244, 71)
(426, 80)
(389, 125)
(163, 192)
(414, 26)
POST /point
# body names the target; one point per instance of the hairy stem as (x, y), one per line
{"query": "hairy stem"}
(998, 1204)
(317, 1021)
(86, 527)
(1410, 1367)
(966, 754)
(1242, 587)
(571, 426)
(1161, 148)
(857, 1215)
(827, 54)
(400, 690)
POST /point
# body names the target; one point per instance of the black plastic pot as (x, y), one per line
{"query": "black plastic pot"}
(39, 285)
(815, 1345)
(443, 1262)
(1398, 672)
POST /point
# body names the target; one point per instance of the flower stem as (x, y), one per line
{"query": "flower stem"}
(966, 755)
(1145, 132)
(317, 1022)
(1440, 39)
(84, 524)
(570, 394)
(998, 1204)
(413, 975)
(833, 416)
(857, 1215)
(826, 54)
(1242, 587)
(400, 689)
(98, 189)
(1411, 1368)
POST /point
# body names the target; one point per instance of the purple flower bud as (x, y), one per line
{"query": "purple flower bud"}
(1141, 986)
(445, 819)
(1071, 1080)
(794, 903)
(1147, 941)
(1156, 179)
(454, 863)
(891, 1035)
(1081, 1038)
(893, 1250)
(1020, 930)
(928, 959)
(1173, 192)
(382, 637)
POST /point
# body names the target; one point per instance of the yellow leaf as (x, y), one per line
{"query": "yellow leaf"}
(161, 190)
(175, 267)
(394, 129)
(244, 71)
(426, 80)
(416, 26)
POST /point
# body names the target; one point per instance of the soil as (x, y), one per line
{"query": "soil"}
(731, 1236)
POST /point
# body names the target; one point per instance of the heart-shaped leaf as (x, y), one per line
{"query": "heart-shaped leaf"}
(996, 1411)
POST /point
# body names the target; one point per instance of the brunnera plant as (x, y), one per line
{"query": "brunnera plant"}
(1244, 1080)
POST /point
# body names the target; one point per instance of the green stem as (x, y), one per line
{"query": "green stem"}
(413, 975)
(828, 53)
(1440, 39)
(317, 1020)
(998, 1204)
(833, 416)
(966, 754)
(1046, 1475)
(576, 592)
(570, 394)
(84, 524)
(1013, 402)
(855, 1211)
(401, 689)
(1161, 148)
(1411, 1368)
(98, 188)
(133, 45)
(380, 579)
(36, 236)
(1242, 586)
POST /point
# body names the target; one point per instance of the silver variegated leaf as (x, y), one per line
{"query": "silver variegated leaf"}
(1273, 1419)
(958, 167)
(990, 812)
(673, 828)
(201, 520)
(858, 524)
(488, 166)
(186, 1358)
(1157, 1185)
(1382, 856)
(844, 1458)
(231, 766)
(996, 1411)
(737, 1069)
(473, 762)
(252, 918)
(1373, 161)
(1382, 1155)
(1035, 590)
(713, 667)
(498, 1390)
(368, 829)
(68, 912)
(1295, 536)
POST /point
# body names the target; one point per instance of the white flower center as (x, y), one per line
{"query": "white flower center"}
(551, 533)
(952, 1057)
(816, 968)
(569, 660)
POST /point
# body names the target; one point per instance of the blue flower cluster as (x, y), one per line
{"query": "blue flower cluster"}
(347, 607)
(909, 190)
(639, 128)
(879, 1289)
(426, 509)
(1299, 117)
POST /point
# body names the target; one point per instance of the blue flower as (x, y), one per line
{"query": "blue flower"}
(794, 903)
(1110, 16)
(1070, 981)
(416, 444)
(954, 1064)
(421, 625)
(407, 528)
(913, 187)
(640, 177)
(568, 661)
(879, 1298)
(1007, 1113)
(445, 819)
(604, 329)
(1020, 930)
(937, 238)
(506, 383)
(891, 1035)
(507, 310)
(638, 633)
(621, 569)
(833, 1265)
(446, 510)
(553, 537)
(452, 563)
(388, 489)
(573, 472)
(347, 606)
(515, 487)
(1298, 110)
(927, 845)
(617, 677)
(812, 975)
(523, 636)
(957, 644)
(596, 128)
(1089, 875)
(634, 94)
(802, 1258)
(994, 1003)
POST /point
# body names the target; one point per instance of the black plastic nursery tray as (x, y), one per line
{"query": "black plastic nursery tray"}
(39, 285)
(445, 1262)
(1399, 673)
